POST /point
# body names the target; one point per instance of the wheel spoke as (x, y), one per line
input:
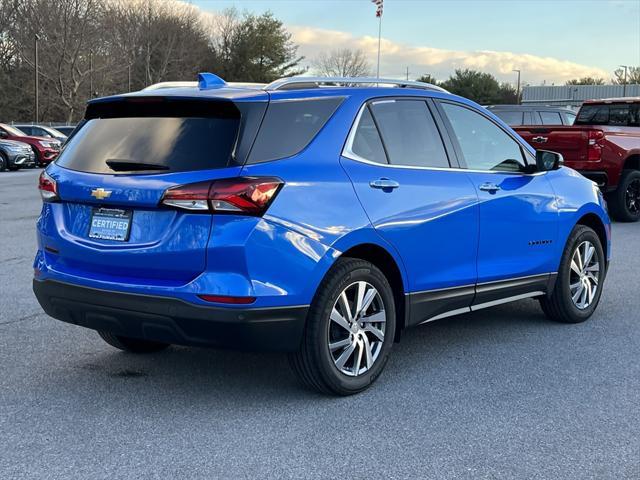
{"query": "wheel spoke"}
(593, 268)
(576, 295)
(591, 292)
(344, 356)
(375, 331)
(339, 319)
(590, 251)
(368, 300)
(575, 267)
(583, 299)
(362, 287)
(578, 256)
(345, 306)
(379, 317)
(367, 351)
(358, 359)
(339, 344)
(573, 286)
(592, 278)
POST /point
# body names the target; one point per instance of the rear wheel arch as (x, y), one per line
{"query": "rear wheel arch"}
(383, 260)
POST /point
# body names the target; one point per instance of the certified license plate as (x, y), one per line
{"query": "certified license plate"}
(110, 224)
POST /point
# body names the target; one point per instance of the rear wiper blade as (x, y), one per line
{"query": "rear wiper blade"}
(128, 166)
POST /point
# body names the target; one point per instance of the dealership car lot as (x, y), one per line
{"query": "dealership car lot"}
(498, 393)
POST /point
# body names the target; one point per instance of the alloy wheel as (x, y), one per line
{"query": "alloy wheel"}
(632, 197)
(357, 328)
(585, 275)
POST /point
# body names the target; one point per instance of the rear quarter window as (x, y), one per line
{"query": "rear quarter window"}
(290, 125)
(510, 117)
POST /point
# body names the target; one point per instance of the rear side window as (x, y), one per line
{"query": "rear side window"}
(569, 118)
(409, 133)
(366, 141)
(510, 117)
(550, 118)
(289, 126)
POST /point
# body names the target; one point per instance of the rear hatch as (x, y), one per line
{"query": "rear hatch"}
(112, 174)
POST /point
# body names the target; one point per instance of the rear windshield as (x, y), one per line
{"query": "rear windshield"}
(620, 114)
(153, 135)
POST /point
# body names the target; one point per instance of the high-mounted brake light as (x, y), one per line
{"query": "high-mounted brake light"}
(242, 196)
(48, 187)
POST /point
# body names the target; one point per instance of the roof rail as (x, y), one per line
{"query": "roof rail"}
(294, 83)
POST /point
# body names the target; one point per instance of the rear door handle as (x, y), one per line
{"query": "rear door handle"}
(489, 187)
(384, 183)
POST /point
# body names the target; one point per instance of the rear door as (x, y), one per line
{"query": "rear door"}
(400, 168)
(518, 209)
(112, 175)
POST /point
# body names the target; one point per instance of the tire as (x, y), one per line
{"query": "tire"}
(624, 202)
(132, 345)
(3, 162)
(559, 305)
(316, 364)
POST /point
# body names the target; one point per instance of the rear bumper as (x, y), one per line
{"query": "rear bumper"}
(172, 320)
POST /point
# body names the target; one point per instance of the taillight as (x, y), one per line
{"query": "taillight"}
(242, 195)
(48, 187)
(594, 150)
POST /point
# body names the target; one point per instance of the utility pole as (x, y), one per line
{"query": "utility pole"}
(36, 80)
(91, 73)
(518, 87)
(407, 74)
(129, 78)
(624, 85)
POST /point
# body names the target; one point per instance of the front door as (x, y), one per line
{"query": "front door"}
(518, 208)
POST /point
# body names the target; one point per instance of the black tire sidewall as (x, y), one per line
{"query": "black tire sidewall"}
(4, 163)
(579, 235)
(339, 381)
(619, 200)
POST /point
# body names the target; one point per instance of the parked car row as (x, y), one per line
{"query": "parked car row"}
(24, 146)
(603, 144)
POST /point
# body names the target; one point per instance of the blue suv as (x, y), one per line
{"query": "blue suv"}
(316, 216)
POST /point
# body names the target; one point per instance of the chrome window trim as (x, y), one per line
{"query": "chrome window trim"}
(347, 152)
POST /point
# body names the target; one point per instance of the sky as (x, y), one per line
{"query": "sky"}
(550, 41)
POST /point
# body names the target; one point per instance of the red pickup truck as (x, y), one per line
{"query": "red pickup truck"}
(604, 145)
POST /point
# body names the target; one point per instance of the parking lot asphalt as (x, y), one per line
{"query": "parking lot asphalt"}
(501, 393)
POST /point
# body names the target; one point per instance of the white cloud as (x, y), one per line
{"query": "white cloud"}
(441, 63)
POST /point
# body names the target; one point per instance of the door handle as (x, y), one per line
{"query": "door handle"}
(489, 187)
(384, 184)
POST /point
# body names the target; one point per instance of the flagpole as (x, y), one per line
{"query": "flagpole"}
(379, 37)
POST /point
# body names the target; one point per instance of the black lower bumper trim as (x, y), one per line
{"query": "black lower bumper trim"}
(171, 320)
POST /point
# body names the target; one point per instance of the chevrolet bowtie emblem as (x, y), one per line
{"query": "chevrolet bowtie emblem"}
(100, 193)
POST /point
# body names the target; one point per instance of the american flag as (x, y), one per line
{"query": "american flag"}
(378, 7)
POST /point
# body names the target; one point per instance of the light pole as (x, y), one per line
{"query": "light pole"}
(91, 73)
(624, 85)
(518, 87)
(36, 80)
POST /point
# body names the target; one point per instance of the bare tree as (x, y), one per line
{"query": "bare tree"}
(633, 76)
(342, 63)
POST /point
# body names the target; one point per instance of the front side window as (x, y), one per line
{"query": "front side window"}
(483, 144)
(550, 118)
(409, 133)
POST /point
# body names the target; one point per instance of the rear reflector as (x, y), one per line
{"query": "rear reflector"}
(242, 195)
(227, 299)
(48, 187)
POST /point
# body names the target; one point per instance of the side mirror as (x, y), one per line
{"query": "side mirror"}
(546, 160)
(3, 134)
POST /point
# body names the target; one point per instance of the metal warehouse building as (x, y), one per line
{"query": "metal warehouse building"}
(574, 95)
